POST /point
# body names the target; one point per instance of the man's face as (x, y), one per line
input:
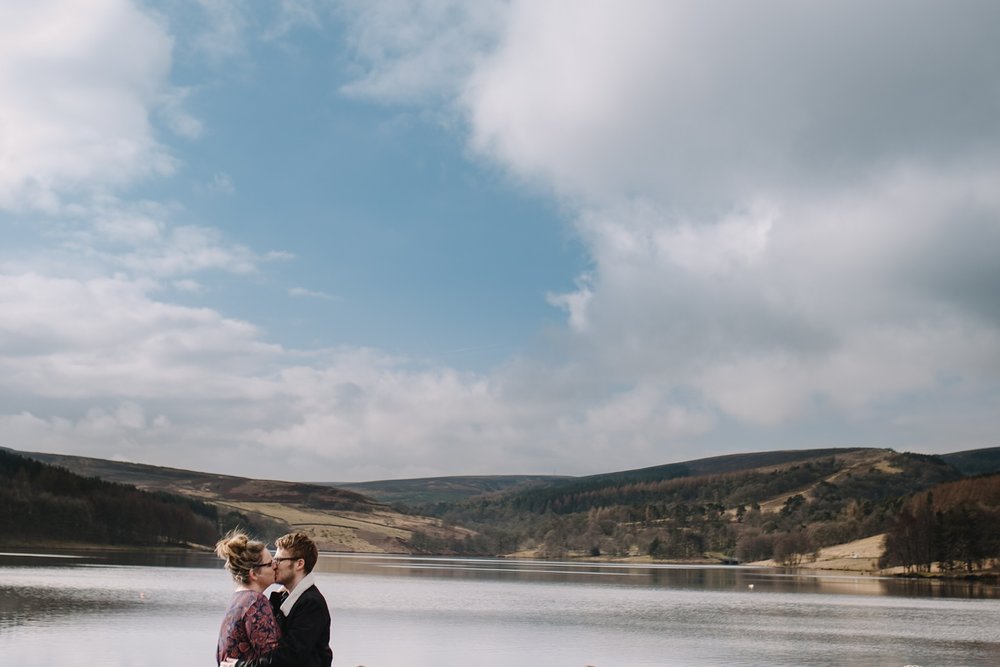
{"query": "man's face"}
(284, 567)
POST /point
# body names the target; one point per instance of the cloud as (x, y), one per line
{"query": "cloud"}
(791, 243)
(782, 229)
(177, 118)
(187, 285)
(79, 82)
(702, 108)
(303, 292)
(141, 239)
(415, 52)
(294, 14)
(142, 379)
(763, 205)
(221, 183)
(118, 331)
(223, 37)
(138, 378)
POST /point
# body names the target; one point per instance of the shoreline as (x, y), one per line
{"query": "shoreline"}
(861, 566)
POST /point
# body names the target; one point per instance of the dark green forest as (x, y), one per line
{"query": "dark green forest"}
(41, 503)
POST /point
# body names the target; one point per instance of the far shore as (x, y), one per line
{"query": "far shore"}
(858, 558)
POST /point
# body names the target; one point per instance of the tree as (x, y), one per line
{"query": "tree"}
(790, 548)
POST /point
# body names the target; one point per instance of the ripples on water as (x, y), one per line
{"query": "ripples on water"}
(111, 609)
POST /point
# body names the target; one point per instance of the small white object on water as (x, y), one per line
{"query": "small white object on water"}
(750, 586)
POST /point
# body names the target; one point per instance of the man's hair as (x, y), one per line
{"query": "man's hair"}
(300, 545)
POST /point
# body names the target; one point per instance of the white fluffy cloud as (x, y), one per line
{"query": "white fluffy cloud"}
(140, 379)
(78, 83)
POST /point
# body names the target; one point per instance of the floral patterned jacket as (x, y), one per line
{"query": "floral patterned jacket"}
(249, 629)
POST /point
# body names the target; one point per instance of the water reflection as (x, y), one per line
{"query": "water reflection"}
(109, 557)
(103, 609)
(702, 577)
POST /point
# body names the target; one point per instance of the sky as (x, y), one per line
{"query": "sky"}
(346, 241)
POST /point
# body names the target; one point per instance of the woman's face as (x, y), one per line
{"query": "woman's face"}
(264, 573)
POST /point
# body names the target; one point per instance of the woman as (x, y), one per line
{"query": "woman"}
(249, 628)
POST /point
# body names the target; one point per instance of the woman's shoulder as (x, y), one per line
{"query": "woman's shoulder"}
(245, 598)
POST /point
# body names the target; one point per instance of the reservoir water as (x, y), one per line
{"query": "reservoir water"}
(122, 609)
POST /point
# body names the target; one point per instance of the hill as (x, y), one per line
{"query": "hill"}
(429, 490)
(783, 505)
(787, 507)
(209, 486)
(339, 520)
(644, 484)
(41, 503)
(975, 461)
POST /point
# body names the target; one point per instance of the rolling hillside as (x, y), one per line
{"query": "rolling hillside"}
(339, 520)
(45, 504)
(209, 486)
(766, 479)
(975, 461)
(430, 490)
(786, 507)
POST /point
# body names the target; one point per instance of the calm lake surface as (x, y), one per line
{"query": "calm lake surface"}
(124, 609)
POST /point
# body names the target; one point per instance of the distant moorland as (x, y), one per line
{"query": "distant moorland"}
(851, 508)
(339, 520)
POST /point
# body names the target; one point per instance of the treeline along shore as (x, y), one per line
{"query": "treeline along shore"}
(913, 513)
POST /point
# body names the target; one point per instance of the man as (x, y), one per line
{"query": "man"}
(301, 610)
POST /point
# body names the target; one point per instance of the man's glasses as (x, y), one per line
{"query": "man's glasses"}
(278, 560)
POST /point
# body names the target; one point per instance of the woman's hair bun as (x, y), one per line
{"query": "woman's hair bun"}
(240, 553)
(233, 544)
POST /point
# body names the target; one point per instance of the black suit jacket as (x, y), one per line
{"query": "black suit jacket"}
(305, 634)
